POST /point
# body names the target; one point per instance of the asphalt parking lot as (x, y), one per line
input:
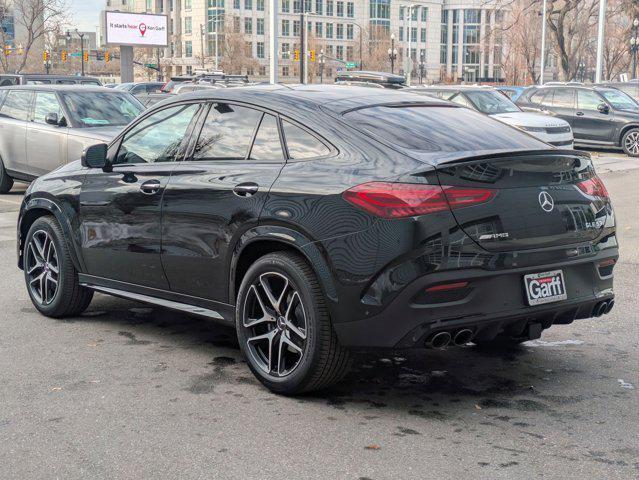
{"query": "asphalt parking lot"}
(129, 391)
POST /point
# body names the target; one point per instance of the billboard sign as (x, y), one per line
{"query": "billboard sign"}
(135, 29)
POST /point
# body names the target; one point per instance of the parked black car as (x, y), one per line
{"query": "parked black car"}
(296, 215)
(8, 79)
(599, 116)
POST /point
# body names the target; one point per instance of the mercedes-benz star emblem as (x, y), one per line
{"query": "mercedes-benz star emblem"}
(546, 201)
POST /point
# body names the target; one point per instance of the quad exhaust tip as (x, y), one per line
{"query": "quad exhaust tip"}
(443, 339)
(439, 340)
(463, 337)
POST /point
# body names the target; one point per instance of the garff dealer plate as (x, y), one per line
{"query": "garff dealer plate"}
(545, 287)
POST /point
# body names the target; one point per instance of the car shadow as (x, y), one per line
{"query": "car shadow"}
(430, 384)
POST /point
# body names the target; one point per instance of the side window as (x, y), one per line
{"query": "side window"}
(267, 145)
(543, 97)
(302, 144)
(588, 100)
(564, 98)
(157, 138)
(45, 103)
(227, 133)
(460, 99)
(17, 104)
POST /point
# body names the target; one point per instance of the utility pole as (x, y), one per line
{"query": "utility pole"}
(321, 65)
(543, 45)
(409, 66)
(159, 69)
(272, 41)
(202, 32)
(600, 39)
(302, 46)
(634, 46)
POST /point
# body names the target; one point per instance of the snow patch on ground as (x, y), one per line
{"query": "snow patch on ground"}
(560, 343)
(624, 384)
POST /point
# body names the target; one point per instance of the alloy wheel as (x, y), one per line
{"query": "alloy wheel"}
(632, 143)
(275, 323)
(42, 267)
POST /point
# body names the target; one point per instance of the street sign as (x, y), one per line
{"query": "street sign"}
(76, 54)
(150, 65)
(351, 65)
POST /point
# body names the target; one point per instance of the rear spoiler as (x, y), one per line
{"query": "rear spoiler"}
(451, 158)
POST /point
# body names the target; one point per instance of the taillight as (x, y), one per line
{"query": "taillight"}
(395, 200)
(593, 187)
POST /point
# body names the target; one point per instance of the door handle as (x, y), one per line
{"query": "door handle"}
(580, 114)
(247, 189)
(150, 187)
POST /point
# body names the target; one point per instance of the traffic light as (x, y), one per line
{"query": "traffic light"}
(296, 55)
(107, 56)
(312, 55)
(45, 57)
(7, 50)
(86, 56)
(63, 55)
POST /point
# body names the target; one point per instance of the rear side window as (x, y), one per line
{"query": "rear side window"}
(227, 133)
(267, 146)
(543, 97)
(301, 144)
(564, 98)
(17, 104)
(428, 128)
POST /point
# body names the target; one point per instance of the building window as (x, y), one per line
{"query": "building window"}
(260, 26)
(379, 13)
(236, 4)
(424, 14)
(188, 25)
(350, 10)
(260, 5)
(188, 48)
(349, 31)
(340, 31)
(296, 28)
(188, 4)
(248, 4)
(286, 6)
(286, 51)
(189, 70)
(319, 31)
(319, 7)
(401, 13)
(260, 49)
(329, 30)
(286, 28)
(339, 52)
(423, 35)
(329, 8)
(285, 71)
(248, 25)
(297, 6)
(349, 53)
(340, 9)
(401, 34)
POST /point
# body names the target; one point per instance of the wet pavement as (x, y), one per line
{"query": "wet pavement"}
(129, 391)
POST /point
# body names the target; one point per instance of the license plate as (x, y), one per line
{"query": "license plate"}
(545, 287)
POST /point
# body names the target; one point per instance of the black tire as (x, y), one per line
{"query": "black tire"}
(630, 142)
(323, 361)
(69, 298)
(6, 182)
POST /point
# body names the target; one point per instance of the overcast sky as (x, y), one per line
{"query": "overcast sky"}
(86, 14)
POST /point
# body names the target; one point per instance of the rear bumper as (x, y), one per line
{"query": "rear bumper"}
(495, 301)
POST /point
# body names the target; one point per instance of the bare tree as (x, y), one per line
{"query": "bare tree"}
(33, 21)
(376, 42)
(236, 55)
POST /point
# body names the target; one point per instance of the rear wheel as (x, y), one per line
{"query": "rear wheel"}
(6, 182)
(630, 142)
(51, 278)
(284, 328)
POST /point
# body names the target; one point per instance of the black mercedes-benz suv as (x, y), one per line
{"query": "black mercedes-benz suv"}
(599, 116)
(321, 219)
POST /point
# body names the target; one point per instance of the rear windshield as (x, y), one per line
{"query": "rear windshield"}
(446, 129)
(101, 109)
(492, 102)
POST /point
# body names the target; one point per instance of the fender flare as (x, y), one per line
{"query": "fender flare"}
(292, 238)
(43, 203)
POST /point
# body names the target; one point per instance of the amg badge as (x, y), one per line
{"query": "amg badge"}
(545, 287)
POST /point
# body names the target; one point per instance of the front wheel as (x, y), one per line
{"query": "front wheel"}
(51, 278)
(630, 142)
(284, 328)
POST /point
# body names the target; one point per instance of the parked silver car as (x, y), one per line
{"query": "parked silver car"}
(45, 126)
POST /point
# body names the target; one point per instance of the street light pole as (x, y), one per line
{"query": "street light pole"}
(81, 35)
(202, 30)
(543, 45)
(392, 53)
(600, 40)
(634, 46)
(321, 65)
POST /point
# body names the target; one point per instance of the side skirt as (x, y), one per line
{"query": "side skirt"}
(220, 312)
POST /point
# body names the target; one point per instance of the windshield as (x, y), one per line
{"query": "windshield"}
(491, 102)
(101, 109)
(620, 100)
(125, 86)
(630, 89)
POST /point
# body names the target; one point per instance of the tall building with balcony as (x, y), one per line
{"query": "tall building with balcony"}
(452, 39)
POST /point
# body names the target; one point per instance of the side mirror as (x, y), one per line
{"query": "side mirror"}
(603, 108)
(95, 156)
(52, 119)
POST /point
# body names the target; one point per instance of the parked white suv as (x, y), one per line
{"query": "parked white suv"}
(45, 126)
(490, 101)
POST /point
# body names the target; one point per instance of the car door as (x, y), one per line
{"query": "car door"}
(13, 130)
(563, 104)
(216, 195)
(589, 123)
(46, 144)
(120, 208)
